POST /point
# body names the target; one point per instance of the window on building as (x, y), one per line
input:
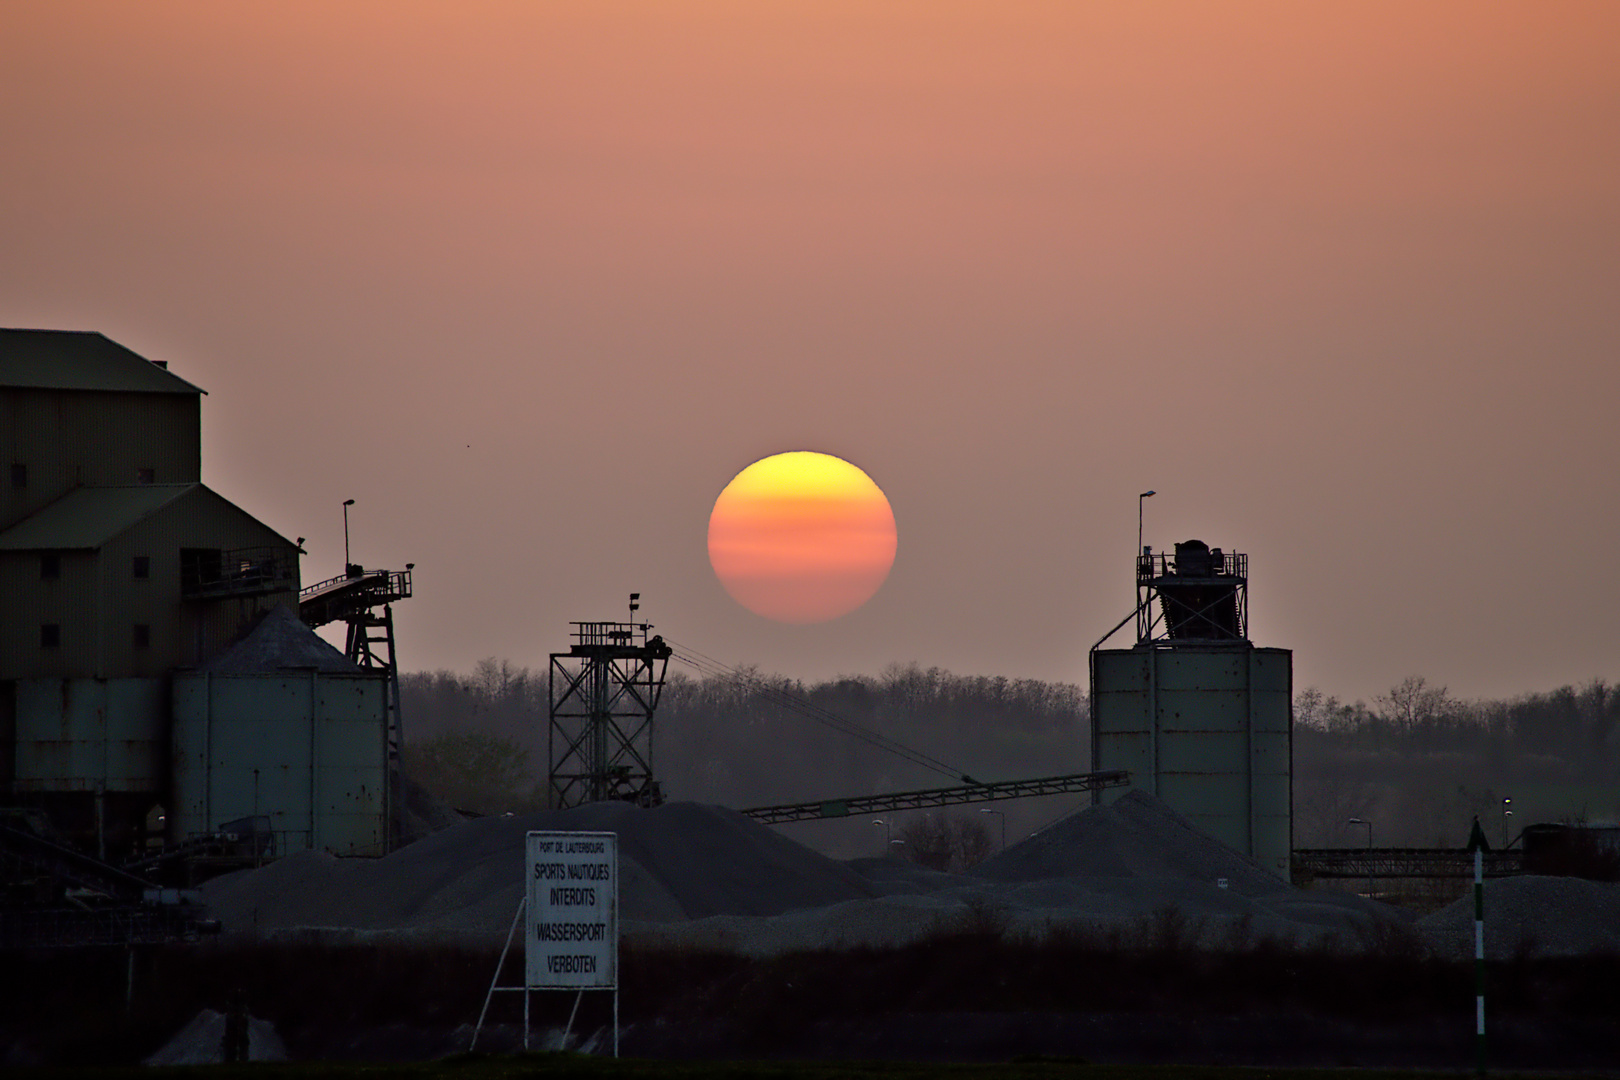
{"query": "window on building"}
(19, 474)
(50, 566)
(146, 475)
(143, 567)
(50, 635)
(143, 635)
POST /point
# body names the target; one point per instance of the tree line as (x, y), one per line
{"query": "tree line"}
(479, 742)
(1420, 763)
(1416, 762)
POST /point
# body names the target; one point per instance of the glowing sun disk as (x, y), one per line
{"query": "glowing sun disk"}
(802, 537)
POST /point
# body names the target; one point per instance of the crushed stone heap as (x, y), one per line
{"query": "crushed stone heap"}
(279, 640)
(677, 861)
(1535, 916)
(703, 876)
(1136, 836)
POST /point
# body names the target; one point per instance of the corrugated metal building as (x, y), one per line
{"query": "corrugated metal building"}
(118, 566)
(79, 409)
(135, 580)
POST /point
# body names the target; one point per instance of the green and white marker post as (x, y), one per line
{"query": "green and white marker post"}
(1477, 844)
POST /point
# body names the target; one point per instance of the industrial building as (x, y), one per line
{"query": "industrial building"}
(1198, 715)
(156, 682)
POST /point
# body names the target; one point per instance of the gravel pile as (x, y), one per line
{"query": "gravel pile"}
(280, 640)
(703, 876)
(1107, 870)
(679, 861)
(1539, 916)
(1135, 837)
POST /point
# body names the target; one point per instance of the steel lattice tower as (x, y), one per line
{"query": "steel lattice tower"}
(604, 691)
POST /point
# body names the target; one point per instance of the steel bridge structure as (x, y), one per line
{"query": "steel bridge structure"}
(1395, 863)
(858, 805)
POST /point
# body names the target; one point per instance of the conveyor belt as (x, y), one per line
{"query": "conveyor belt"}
(338, 598)
(945, 796)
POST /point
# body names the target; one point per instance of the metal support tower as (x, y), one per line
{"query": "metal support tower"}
(604, 691)
(353, 599)
(371, 645)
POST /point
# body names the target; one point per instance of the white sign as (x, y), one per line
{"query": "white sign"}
(571, 940)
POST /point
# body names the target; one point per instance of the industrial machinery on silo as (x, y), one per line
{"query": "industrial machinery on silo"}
(1200, 717)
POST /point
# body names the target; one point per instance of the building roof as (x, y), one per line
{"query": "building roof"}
(81, 360)
(87, 517)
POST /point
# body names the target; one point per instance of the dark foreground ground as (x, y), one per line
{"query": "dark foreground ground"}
(963, 995)
(577, 1067)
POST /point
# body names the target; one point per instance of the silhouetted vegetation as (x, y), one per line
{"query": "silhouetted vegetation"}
(757, 739)
(944, 841)
(474, 770)
(1417, 762)
(1420, 764)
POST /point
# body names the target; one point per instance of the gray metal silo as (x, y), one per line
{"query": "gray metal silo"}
(1200, 717)
(283, 729)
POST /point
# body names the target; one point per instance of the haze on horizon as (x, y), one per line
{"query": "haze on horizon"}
(532, 282)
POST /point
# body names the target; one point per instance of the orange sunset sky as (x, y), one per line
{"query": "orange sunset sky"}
(531, 282)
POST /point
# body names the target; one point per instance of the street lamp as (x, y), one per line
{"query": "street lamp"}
(1507, 812)
(1003, 818)
(346, 564)
(1139, 500)
(1360, 821)
(888, 833)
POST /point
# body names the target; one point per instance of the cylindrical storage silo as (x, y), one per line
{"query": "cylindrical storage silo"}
(305, 749)
(1208, 729)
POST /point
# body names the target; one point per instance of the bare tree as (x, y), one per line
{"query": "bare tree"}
(1414, 703)
(945, 842)
(1308, 708)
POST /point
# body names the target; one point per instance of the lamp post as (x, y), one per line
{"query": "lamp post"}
(1360, 821)
(1003, 818)
(888, 833)
(1139, 500)
(1507, 812)
(346, 564)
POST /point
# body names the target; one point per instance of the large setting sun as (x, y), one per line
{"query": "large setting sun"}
(801, 537)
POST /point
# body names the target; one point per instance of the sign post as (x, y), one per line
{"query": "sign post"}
(1477, 844)
(570, 919)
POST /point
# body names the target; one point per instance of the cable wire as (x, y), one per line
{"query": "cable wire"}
(784, 699)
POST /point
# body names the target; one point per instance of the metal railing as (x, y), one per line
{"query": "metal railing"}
(1385, 863)
(1217, 565)
(386, 581)
(610, 633)
(349, 594)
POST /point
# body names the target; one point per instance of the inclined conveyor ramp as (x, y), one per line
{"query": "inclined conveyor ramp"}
(349, 595)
